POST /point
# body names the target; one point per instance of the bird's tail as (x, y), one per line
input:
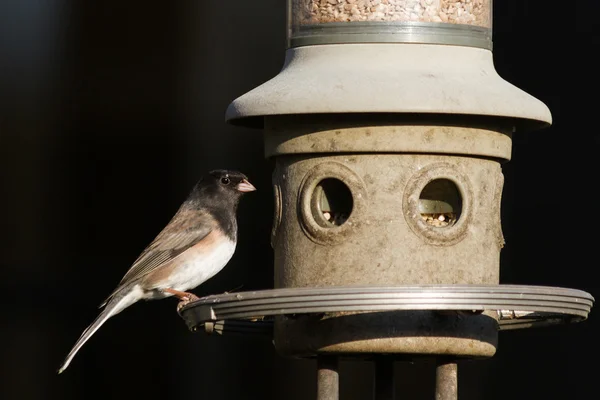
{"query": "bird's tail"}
(120, 301)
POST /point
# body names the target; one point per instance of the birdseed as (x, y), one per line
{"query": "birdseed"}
(469, 12)
(439, 220)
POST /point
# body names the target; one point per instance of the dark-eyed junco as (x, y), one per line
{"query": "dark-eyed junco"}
(195, 245)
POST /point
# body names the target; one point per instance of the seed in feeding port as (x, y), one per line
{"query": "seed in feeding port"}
(439, 220)
(327, 216)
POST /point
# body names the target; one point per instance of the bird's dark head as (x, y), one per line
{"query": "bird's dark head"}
(221, 187)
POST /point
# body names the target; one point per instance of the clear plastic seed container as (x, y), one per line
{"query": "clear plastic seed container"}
(461, 22)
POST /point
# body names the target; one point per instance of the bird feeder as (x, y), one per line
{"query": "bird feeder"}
(388, 125)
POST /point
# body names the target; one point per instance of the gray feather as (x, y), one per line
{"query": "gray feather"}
(186, 229)
(120, 301)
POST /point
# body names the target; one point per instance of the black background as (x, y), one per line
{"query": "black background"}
(110, 111)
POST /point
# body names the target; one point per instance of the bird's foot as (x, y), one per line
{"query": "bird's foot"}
(184, 297)
(186, 300)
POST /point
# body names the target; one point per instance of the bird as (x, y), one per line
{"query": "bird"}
(195, 245)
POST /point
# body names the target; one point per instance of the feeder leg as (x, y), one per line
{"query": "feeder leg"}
(446, 381)
(328, 378)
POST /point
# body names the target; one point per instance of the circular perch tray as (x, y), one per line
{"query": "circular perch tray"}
(516, 306)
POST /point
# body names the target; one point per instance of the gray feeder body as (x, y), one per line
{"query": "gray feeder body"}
(388, 172)
(386, 239)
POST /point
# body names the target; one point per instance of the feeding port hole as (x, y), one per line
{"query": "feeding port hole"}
(331, 203)
(440, 203)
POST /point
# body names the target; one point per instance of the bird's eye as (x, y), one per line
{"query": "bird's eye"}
(225, 180)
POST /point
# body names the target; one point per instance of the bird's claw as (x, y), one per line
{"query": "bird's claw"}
(185, 300)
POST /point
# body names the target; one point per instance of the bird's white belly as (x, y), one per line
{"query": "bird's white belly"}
(197, 270)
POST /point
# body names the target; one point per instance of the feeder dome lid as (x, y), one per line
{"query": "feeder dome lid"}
(389, 78)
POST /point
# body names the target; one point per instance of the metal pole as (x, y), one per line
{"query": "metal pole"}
(328, 378)
(446, 381)
(384, 379)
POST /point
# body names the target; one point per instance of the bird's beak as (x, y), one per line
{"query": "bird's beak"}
(245, 186)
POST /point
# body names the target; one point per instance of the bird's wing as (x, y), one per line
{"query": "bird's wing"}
(183, 231)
